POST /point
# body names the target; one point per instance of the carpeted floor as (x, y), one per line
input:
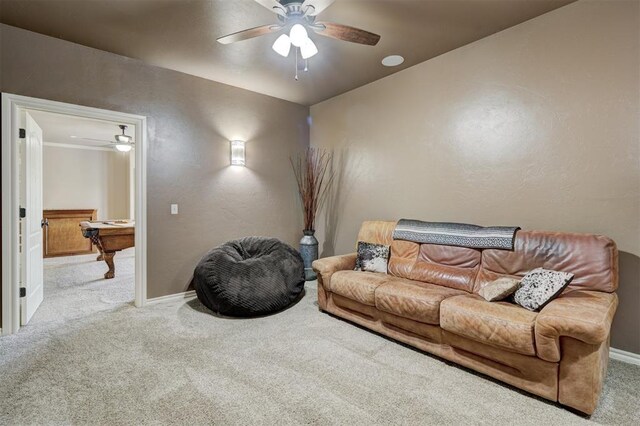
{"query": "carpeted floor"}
(90, 357)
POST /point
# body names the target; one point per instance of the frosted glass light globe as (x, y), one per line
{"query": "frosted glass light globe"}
(308, 49)
(298, 35)
(282, 45)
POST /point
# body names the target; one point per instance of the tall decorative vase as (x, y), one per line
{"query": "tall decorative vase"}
(309, 252)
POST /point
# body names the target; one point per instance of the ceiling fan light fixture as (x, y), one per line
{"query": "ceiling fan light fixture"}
(308, 49)
(123, 138)
(123, 147)
(282, 45)
(298, 35)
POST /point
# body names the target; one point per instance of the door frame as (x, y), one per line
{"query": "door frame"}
(11, 104)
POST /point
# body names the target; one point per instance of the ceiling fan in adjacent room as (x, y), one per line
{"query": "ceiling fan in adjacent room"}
(296, 18)
(121, 142)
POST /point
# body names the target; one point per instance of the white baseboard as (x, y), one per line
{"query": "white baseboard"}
(624, 356)
(184, 296)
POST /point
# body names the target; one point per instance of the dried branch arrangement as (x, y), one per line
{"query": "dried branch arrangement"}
(314, 177)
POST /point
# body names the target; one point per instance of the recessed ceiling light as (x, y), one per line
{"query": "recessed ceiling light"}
(73, 136)
(392, 61)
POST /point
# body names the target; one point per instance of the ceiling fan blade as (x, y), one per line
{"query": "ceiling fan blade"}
(273, 6)
(346, 33)
(108, 142)
(314, 7)
(247, 34)
(93, 139)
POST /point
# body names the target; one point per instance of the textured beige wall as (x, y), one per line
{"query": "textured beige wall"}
(190, 123)
(75, 178)
(536, 126)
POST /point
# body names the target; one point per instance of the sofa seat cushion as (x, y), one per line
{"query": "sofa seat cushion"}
(500, 324)
(413, 299)
(356, 285)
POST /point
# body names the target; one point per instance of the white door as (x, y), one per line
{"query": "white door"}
(31, 253)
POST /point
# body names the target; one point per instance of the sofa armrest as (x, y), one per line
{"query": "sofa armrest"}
(325, 267)
(582, 315)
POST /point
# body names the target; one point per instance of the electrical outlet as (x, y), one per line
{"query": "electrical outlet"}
(174, 209)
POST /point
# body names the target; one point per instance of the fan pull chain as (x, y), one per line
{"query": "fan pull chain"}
(306, 65)
(296, 64)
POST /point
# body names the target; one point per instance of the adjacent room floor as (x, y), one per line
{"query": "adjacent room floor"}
(75, 288)
(89, 356)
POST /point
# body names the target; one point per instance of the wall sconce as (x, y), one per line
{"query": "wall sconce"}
(237, 153)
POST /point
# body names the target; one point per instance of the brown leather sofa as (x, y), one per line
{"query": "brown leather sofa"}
(429, 300)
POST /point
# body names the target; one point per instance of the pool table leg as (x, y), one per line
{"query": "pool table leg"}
(96, 242)
(108, 258)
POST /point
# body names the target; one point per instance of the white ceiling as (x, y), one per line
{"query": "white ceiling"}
(71, 130)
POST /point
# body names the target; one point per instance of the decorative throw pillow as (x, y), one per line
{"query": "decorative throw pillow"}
(499, 289)
(540, 287)
(372, 257)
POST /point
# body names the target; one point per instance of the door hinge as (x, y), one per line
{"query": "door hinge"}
(23, 291)
(23, 212)
(22, 133)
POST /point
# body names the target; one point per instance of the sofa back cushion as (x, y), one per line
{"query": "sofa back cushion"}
(593, 259)
(454, 267)
(449, 266)
(376, 232)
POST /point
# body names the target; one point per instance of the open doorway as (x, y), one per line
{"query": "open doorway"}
(88, 191)
(73, 209)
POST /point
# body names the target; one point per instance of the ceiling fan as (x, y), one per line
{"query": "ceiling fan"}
(297, 17)
(121, 142)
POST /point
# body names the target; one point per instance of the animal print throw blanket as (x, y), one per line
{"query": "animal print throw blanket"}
(456, 234)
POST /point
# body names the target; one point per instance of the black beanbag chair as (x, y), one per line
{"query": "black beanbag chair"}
(249, 277)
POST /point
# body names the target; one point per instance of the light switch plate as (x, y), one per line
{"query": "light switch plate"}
(174, 209)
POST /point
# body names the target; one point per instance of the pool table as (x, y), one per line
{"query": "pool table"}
(109, 236)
